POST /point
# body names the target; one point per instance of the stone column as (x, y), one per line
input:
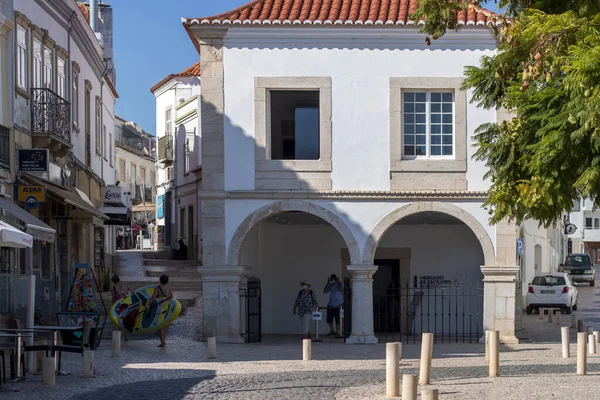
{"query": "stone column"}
(362, 304)
(221, 302)
(499, 289)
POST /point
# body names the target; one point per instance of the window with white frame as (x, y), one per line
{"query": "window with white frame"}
(75, 99)
(98, 128)
(428, 124)
(104, 140)
(48, 62)
(61, 80)
(168, 122)
(110, 150)
(22, 57)
(37, 63)
(592, 223)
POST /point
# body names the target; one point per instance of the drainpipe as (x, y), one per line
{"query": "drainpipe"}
(93, 14)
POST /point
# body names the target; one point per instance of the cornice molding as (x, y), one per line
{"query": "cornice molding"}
(348, 195)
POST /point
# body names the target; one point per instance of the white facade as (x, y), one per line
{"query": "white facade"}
(586, 238)
(178, 118)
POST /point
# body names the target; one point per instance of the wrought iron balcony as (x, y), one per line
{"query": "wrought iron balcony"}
(50, 116)
(148, 195)
(4, 148)
(165, 149)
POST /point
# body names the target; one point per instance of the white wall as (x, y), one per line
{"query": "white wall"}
(283, 255)
(360, 64)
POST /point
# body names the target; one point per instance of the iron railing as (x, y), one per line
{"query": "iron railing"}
(251, 299)
(165, 149)
(129, 140)
(4, 148)
(50, 114)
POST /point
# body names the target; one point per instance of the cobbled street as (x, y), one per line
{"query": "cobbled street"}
(273, 369)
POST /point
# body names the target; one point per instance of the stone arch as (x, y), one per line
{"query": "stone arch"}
(413, 208)
(239, 237)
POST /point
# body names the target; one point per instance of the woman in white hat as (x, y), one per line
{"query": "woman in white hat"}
(304, 306)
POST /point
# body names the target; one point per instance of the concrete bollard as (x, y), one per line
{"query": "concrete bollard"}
(591, 344)
(211, 343)
(48, 373)
(409, 387)
(429, 394)
(564, 335)
(558, 317)
(39, 355)
(487, 346)
(426, 355)
(116, 343)
(494, 354)
(542, 311)
(581, 353)
(573, 320)
(306, 349)
(89, 368)
(590, 330)
(597, 339)
(392, 370)
(550, 315)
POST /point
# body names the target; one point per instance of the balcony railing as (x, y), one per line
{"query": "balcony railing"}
(4, 148)
(148, 195)
(50, 114)
(165, 149)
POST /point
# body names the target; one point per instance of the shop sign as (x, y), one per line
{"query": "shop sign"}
(84, 217)
(160, 204)
(32, 196)
(114, 195)
(33, 160)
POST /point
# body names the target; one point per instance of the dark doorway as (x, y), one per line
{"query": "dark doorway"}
(385, 281)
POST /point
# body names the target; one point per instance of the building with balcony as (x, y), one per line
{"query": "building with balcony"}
(135, 153)
(179, 160)
(63, 108)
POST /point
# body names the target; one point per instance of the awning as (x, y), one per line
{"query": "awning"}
(33, 225)
(143, 208)
(72, 198)
(116, 215)
(13, 237)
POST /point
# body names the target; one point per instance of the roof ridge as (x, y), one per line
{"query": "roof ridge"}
(192, 70)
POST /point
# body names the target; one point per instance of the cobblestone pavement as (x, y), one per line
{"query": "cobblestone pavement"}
(273, 369)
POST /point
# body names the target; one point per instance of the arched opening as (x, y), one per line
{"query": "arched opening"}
(428, 279)
(282, 249)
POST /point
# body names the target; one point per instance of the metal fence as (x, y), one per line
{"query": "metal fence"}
(453, 313)
(251, 303)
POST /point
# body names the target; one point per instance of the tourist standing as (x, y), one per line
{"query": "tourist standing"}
(304, 306)
(336, 300)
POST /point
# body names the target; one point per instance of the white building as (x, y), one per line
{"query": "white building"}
(179, 160)
(64, 102)
(136, 173)
(342, 143)
(586, 238)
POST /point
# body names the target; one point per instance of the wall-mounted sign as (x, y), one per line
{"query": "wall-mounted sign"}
(435, 280)
(32, 196)
(570, 229)
(33, 160)
(84, 217)
(115, 195)
(520, 245)
(160, 205)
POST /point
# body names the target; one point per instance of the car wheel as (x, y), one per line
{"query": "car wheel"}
(592, 284)
(529, 310)
(569, 310)
(575, 307)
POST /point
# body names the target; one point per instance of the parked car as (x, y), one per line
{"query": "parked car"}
(552, 290)
(580, 268)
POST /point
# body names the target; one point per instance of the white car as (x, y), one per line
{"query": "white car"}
(552, 290)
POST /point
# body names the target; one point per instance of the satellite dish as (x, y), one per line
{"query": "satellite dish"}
(570, 229)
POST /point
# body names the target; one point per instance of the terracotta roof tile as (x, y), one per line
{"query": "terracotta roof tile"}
(84, 11)
(194, 70)
(346, 12)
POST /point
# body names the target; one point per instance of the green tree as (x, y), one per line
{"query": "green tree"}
(546, 74)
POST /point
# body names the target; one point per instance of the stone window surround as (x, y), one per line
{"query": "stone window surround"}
(263, 161)
(400, 164)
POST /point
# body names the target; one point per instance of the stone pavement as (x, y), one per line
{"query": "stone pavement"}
(273, 369)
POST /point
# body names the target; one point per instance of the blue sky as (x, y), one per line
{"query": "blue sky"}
(150, 43)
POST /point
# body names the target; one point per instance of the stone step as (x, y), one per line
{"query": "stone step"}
(157, 255)
(171, 263)
(177, 284)
(173, 272)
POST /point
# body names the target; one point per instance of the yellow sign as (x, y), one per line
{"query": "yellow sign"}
(37, 192)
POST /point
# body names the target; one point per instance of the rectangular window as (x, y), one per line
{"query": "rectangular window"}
(122, 170)
(75, 99)
(98, 130)
(143, 175)
(48, 62)
(588, 223)
(61, 80)
(22, 57)
(168, 122)
(596, 223)
(37, 63)
(168, 173)
(110, 149)
(295, 125)
(428, 124)
(133, 172)
(152, 179)
(186, 154)
(88, 127)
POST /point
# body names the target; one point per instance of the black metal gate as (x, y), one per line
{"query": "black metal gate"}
(251, 300)
(453, 313)
(347, 307)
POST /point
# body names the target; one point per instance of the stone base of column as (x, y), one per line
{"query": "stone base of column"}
(362, 339)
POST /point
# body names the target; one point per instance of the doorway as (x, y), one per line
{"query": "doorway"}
(386, 306)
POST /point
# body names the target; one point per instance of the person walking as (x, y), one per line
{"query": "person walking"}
(119, 289)
(336, 300)
(304, 306)
(164, 293)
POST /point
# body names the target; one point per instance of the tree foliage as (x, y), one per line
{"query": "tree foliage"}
(546, 75)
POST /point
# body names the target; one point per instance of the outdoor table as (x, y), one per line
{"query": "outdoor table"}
(19, 336)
